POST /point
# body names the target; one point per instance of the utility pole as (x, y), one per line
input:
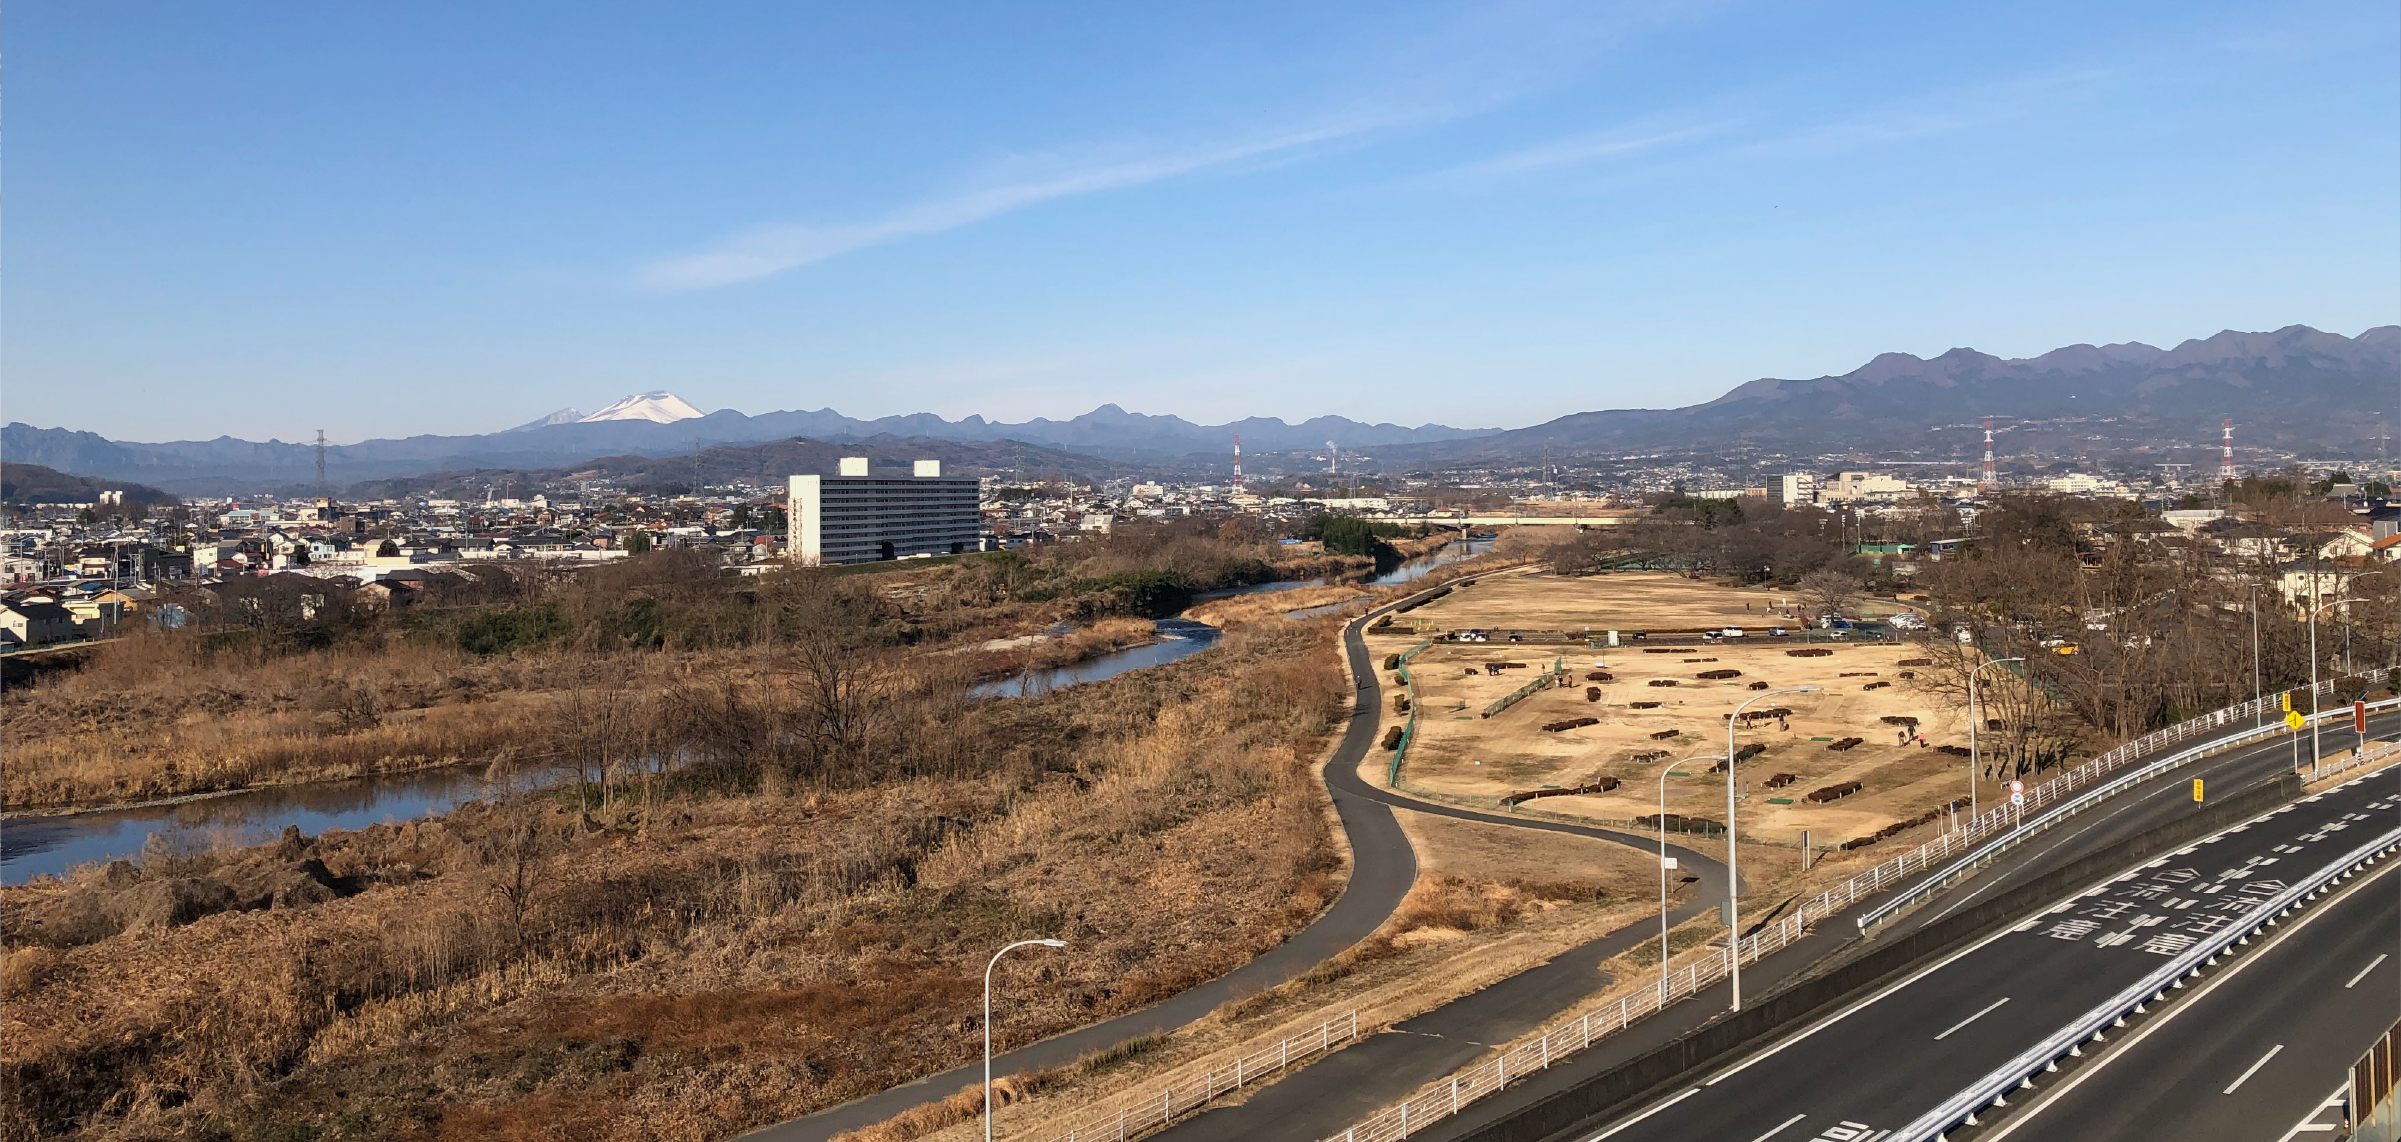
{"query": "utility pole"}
(321, 488)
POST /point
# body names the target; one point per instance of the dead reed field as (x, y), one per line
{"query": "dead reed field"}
(793, 912)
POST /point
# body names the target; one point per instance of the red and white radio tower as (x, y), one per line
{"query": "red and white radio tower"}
(1237, 464)
(1989, 483)
(2226, 457)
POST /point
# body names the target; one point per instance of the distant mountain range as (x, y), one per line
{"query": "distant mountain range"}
(767, 464)
(2295, 388)
(634, 426)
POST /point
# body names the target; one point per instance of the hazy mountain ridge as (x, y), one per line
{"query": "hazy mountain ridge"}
(2293, 387)
(226, 463)
(767, 464)
(35, 484)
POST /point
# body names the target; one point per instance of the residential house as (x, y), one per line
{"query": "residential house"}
(32, 622)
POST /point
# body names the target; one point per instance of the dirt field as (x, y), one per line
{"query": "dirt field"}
(1458, 751)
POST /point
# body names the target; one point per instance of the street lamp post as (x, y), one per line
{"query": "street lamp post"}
(1664, 774)
(1974, 723)
(2313, 665)
(1733, 879)
(988, 1021)
(2259, 693)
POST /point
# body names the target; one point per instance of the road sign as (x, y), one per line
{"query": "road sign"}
(2287, 699)
(2017, 787)
(2294, 719)
(1668, 863)
(2196, 790)
(2359, 717)
(2017, 798)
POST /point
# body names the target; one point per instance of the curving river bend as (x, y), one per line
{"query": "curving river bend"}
(37, 846)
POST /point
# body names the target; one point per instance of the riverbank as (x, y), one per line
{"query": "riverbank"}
(489, 955)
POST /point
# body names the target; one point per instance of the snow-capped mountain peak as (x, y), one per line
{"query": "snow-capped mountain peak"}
(562, 416)
(659, 406)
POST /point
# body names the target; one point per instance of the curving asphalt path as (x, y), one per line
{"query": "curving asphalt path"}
(1383, 867)
(1355, 1082)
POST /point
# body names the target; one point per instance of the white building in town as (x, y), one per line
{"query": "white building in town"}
(858, 517)
(1851, 486)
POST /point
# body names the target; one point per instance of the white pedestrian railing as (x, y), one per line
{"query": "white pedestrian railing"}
(1162, 1106)
(1442, 1099)
(2060, 809)
(2375, 753)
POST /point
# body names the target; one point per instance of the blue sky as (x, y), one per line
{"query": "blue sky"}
(262, 219)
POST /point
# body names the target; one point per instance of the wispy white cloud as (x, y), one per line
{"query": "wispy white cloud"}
(766, 252)
(1615, 143)
(1487, 56)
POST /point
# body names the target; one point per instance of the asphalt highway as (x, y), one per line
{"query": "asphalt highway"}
(2253, 1053)
(2158, 802)
(1894, 1054)
(2108, 823)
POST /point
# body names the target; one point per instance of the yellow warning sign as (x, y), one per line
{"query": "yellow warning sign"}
(2294, 719)
(2196, 789)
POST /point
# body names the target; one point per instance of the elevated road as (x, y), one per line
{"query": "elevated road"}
(1892, 1055)
(2128, 815)
(2256, 1050)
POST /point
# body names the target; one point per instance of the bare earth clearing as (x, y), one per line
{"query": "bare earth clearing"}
(1458, 752)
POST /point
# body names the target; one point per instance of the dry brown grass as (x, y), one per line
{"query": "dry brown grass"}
(1256, 608)
(121, 731)
(691, 963)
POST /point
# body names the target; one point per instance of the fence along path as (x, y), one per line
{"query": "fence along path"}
(1159, 1107)
(1442, 1099)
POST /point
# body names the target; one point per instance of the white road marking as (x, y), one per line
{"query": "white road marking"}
(2363, 972)
(2263, 1061)
(1629, 1123)
(1971, 1019)
(1780, 1129)
(2033, 1111)
(2331, 1110)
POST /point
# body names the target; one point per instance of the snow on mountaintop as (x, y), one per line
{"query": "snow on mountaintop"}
(562, 416)
(661, 407)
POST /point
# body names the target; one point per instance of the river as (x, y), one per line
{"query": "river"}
(36, 846)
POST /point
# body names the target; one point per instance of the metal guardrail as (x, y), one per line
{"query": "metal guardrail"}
(1442, 1099)
(1961, 1109)
(1932, 884)
(1158, 1109)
